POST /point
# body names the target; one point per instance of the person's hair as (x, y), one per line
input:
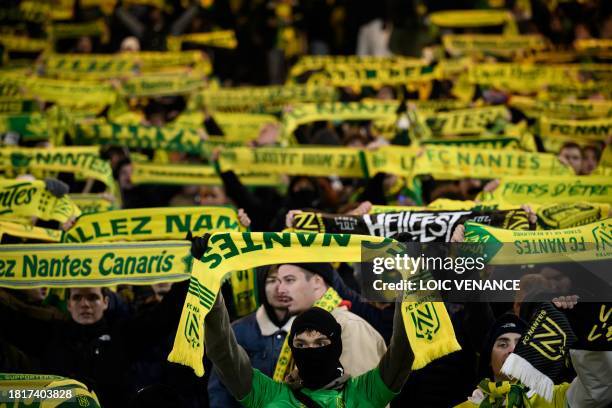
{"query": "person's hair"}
(307, 274)
(106, 292)
(570, 145)
(120, 164)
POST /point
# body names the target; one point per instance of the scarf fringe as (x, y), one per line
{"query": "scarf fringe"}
(519, 368)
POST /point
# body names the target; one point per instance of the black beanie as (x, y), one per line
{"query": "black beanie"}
(317, 319)
(322, 269)
(507, 323)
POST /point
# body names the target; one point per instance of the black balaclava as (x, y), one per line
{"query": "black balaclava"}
(317, 366)
(306, 196)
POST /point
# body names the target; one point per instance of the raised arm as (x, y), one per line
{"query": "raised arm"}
(395, 366)
(231, 362)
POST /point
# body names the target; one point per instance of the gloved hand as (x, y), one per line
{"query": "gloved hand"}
(198, 244)
(56, 187)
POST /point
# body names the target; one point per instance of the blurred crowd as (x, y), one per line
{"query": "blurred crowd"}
(117, 341)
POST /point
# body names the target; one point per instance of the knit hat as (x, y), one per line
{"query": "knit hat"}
(507, 323)
(322, 269)
(317, 319)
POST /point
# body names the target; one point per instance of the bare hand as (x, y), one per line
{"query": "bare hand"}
(361, 209)
(565, 302)
(491, 186)
(243, 217)
(531, 215)
(458, 234)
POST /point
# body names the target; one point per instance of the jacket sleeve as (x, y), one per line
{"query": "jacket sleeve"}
(181, 23)
(130, 22)
(396, 364)
(374, 190)
(239, 193)
(218, 396)
(152, 325)
(592, 387)
(27, 323)
(232, 364)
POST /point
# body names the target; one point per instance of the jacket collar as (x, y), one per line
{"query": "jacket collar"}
(266, 326)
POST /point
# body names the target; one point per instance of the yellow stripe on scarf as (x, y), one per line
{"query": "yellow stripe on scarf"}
(233, 251)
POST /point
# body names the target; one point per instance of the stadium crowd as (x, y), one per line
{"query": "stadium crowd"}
(162, 122)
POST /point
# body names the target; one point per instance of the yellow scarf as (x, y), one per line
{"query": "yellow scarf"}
(184, 174)
(31, 199)
(149, 224)
(82, 161)
(29, 232)
(584, 243)
(311, 161)
(546, 189)
(232, 251)
(80, 265)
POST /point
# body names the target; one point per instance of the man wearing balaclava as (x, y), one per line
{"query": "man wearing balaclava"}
(304, 285)
(316, 343)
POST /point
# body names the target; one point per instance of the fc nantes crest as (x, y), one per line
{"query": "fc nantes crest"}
(425, 319)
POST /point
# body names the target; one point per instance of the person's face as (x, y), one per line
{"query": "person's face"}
(35, 295)
(272, 292)
(212, 196)
(125, 177)
(573, 157)
(556, 280)
(300, 292)
(503, 346)
(469, 188)
(160, 290)
(87, 305)
(84, 46)
(589, 162)
(310, 339)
